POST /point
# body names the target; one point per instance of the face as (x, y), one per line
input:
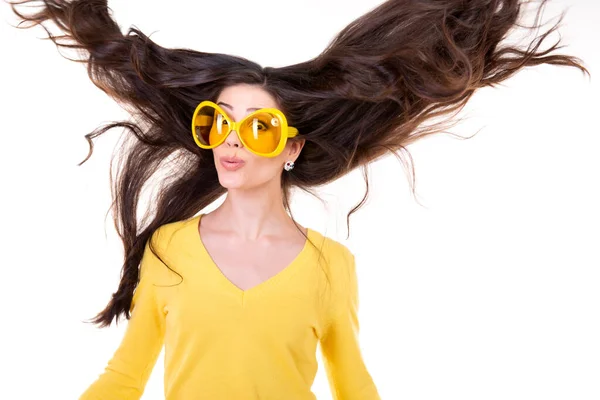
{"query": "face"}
(256, 171)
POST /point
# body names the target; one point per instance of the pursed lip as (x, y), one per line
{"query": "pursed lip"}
(231, 163)
(231, 159)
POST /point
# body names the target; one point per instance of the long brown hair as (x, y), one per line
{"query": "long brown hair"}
(368, 94)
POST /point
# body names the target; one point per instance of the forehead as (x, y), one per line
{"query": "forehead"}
(247, 96)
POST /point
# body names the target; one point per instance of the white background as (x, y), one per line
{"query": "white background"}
(487, 290)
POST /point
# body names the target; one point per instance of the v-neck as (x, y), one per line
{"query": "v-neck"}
(280, 276)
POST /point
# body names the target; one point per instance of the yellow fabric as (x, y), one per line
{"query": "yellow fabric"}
(222, 342)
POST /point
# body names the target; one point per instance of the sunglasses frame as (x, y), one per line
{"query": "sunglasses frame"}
(286, 131)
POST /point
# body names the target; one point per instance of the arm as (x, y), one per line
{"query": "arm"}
(127, 372)
(346, 371)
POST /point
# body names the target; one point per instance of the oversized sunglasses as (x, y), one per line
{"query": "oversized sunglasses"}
(264, 132)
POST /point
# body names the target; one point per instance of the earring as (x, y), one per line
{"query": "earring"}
(289, 165)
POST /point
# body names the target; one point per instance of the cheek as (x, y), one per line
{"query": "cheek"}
(264, 168)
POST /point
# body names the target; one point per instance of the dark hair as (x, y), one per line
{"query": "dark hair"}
(369, 93)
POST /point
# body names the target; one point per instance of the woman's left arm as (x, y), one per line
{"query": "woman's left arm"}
(348, 376)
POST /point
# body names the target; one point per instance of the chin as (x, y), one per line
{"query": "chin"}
(232, 182)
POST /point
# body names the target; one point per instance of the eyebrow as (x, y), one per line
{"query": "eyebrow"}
(231, 108)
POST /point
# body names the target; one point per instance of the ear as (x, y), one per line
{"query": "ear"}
(294, 148)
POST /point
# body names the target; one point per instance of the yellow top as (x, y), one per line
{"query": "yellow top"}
(224, 343)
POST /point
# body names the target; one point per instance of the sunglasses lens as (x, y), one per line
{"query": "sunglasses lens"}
(210, 126)
(262, 132)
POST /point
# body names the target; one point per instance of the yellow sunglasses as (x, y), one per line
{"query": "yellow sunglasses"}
(264, 132)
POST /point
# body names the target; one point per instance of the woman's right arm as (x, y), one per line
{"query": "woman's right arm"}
(127, 372)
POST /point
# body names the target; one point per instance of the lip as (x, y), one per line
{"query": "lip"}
(231, 163)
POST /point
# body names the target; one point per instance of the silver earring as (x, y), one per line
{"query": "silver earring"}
(289, 165)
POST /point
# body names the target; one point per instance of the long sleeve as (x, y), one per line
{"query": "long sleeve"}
(127, 372)
(348, 376)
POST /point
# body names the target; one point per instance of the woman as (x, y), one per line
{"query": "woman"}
(240, 297)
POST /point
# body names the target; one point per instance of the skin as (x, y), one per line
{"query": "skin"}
(250, 236)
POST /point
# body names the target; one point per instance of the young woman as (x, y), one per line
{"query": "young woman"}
(241, 297)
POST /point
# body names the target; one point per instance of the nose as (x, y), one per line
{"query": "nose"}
(233, 140)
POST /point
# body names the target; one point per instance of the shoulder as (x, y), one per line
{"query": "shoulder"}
(339, 283)
(167, 246)
(331, 248)
(339, 260)
(170, 245)
(171, 234)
